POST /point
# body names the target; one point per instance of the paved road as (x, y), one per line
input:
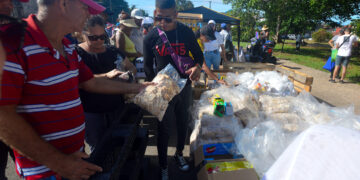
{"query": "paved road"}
(335, 94)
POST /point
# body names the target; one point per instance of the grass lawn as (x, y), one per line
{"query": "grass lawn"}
(314, 55)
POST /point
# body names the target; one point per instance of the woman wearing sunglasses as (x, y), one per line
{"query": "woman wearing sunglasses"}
(100, 109)
(123, 41)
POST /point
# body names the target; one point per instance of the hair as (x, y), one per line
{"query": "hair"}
(165, 4)
(197, 34)
(45, 2)
(93, 21)
(347, 29)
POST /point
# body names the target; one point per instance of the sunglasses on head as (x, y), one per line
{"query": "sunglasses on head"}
(167, 19)
(12, 32)
(96, 37)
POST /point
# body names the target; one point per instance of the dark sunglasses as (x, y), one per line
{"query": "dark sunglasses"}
(167, 19)
(12, 33)
(96, 37)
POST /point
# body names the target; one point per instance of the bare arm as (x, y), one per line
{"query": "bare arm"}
(223, 52)
(211, 74)
(107, 86)
(120, 44)
(129, 66)
(331, 43)
(17, 133)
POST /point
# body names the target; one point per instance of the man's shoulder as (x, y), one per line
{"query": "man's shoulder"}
(151, 35)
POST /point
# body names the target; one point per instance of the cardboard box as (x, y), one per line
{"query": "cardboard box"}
(201, 160)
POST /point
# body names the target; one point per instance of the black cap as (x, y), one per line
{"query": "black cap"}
(208, 32)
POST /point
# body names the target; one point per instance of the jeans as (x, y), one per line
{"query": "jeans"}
(96, 125)
(342, 60)
(179, 111)
(212, 58)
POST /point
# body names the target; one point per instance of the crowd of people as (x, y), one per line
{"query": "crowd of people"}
(62, 81)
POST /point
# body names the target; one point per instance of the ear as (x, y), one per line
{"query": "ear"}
(62, 5)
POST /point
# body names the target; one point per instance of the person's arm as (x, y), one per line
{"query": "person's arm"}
(129, 66)
(194, 48)
(211, 74)
(148, 58)
(18, 134)
(120, 44)
(106, 86)
(223, 52)
(331, 43)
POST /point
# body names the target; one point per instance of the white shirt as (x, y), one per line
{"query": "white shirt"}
(215, 44)
(137, 38)
(345, 49)
(224, 35)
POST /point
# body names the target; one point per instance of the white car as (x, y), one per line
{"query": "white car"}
(292, 36)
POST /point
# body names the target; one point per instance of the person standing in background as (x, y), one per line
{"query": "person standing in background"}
(123, 41)
(332, 43)
(344, 44)
(211, 47)
(136, 35)
(227, 39)
(221, 47)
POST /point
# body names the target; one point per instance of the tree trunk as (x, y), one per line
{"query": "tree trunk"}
(278, 26)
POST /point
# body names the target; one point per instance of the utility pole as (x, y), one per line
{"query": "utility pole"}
(210, 4)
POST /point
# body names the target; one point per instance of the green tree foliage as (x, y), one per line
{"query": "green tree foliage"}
(182, 5)
(321, 35)
(247, 24)
(283, 16)
(115, 6)
(356, 26)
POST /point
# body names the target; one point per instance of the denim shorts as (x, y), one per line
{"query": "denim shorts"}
(342, 60)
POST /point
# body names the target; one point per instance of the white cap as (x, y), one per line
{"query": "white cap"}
(147, 20)
(211, 22)
(137, 13)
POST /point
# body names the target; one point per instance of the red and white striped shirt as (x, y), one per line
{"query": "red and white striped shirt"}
(44, 87)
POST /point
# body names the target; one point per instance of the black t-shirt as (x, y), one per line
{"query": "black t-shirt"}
(182, 39)
(100, 63)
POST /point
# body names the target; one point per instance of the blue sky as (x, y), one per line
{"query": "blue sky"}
(149, 5)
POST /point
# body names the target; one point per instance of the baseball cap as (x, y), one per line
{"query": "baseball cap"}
(94, 8)
(137, 13)
(211, 22)
(147, 20)
(223, 25)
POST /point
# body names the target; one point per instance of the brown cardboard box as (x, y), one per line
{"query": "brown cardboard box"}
(242, 174)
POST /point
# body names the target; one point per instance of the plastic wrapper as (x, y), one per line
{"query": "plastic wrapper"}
(155, 99)
(270, 82)
(263, 144)
(212, 129)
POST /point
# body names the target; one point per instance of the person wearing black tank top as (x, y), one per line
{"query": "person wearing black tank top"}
(103, 60)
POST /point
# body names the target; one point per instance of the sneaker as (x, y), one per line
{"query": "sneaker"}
(164, 173)
(331, 80)
(341, 81)
(181, 162)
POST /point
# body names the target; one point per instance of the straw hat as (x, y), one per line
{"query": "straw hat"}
(265, 28)
(129, 23)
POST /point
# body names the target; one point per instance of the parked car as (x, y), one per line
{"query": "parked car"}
(292, 36)
(307, 36)
(284, 36)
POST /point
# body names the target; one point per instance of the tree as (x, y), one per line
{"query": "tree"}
(114, 6)
(298, 15)
(143, 11)
(182, 5)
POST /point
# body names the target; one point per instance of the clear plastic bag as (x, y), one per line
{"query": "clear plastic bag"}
(155, 99)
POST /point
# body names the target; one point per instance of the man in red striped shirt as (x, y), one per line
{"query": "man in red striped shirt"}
(41, 115)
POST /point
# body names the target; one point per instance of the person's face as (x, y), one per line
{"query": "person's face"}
(165, 18)
(138, 22)
(77, 14)
(95, 36)
(6, 7)
(212, 25)
(124, 15)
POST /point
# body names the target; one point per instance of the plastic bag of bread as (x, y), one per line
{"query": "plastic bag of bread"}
(155, 99)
